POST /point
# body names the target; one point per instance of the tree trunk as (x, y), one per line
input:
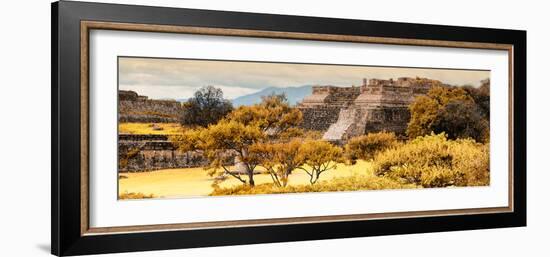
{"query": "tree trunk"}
(251, 177)
(287, 173)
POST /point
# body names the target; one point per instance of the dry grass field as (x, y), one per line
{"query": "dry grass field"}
(189, 182)
(148, 128)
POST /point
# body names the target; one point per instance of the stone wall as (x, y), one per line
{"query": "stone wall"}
(138, 153)
(340, 96)
(393, 119)
(319, 118)
(135, 108)
(330, 96)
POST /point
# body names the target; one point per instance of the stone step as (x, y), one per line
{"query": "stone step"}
(337, 131)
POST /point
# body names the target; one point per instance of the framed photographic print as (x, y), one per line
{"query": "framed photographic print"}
(178, 128)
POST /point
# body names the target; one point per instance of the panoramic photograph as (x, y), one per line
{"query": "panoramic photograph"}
(207, 128)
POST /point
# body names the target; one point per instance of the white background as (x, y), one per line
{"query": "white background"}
(25, 144)
(106, 211)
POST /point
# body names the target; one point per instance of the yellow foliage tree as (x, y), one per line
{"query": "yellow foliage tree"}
(447, 109)
(273, 115)
(319, 156)
(221, 143)
(244, 134)
(280, 159)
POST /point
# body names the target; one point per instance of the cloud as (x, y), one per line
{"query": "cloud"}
(180, 78)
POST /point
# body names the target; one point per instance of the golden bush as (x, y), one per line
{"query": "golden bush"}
(366, 146)
(352, 183)
(435, 161)
(132, 195)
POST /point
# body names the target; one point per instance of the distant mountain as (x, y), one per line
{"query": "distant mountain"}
(293, 94)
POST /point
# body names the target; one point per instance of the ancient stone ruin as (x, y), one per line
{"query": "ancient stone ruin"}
(137, 108)
(376, 105)
(153, 152)
(150, 152)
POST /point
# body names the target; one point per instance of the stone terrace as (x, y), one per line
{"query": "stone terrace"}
(136, 108)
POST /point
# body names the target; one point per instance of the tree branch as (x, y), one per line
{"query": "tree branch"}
(235, 175)
(304, 169)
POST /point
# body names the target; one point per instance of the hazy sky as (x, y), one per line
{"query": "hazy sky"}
(176, 78)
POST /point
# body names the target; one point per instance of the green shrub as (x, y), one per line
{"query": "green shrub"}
(352, 183)
(366, 146)
(207, 106)
(435, 161)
